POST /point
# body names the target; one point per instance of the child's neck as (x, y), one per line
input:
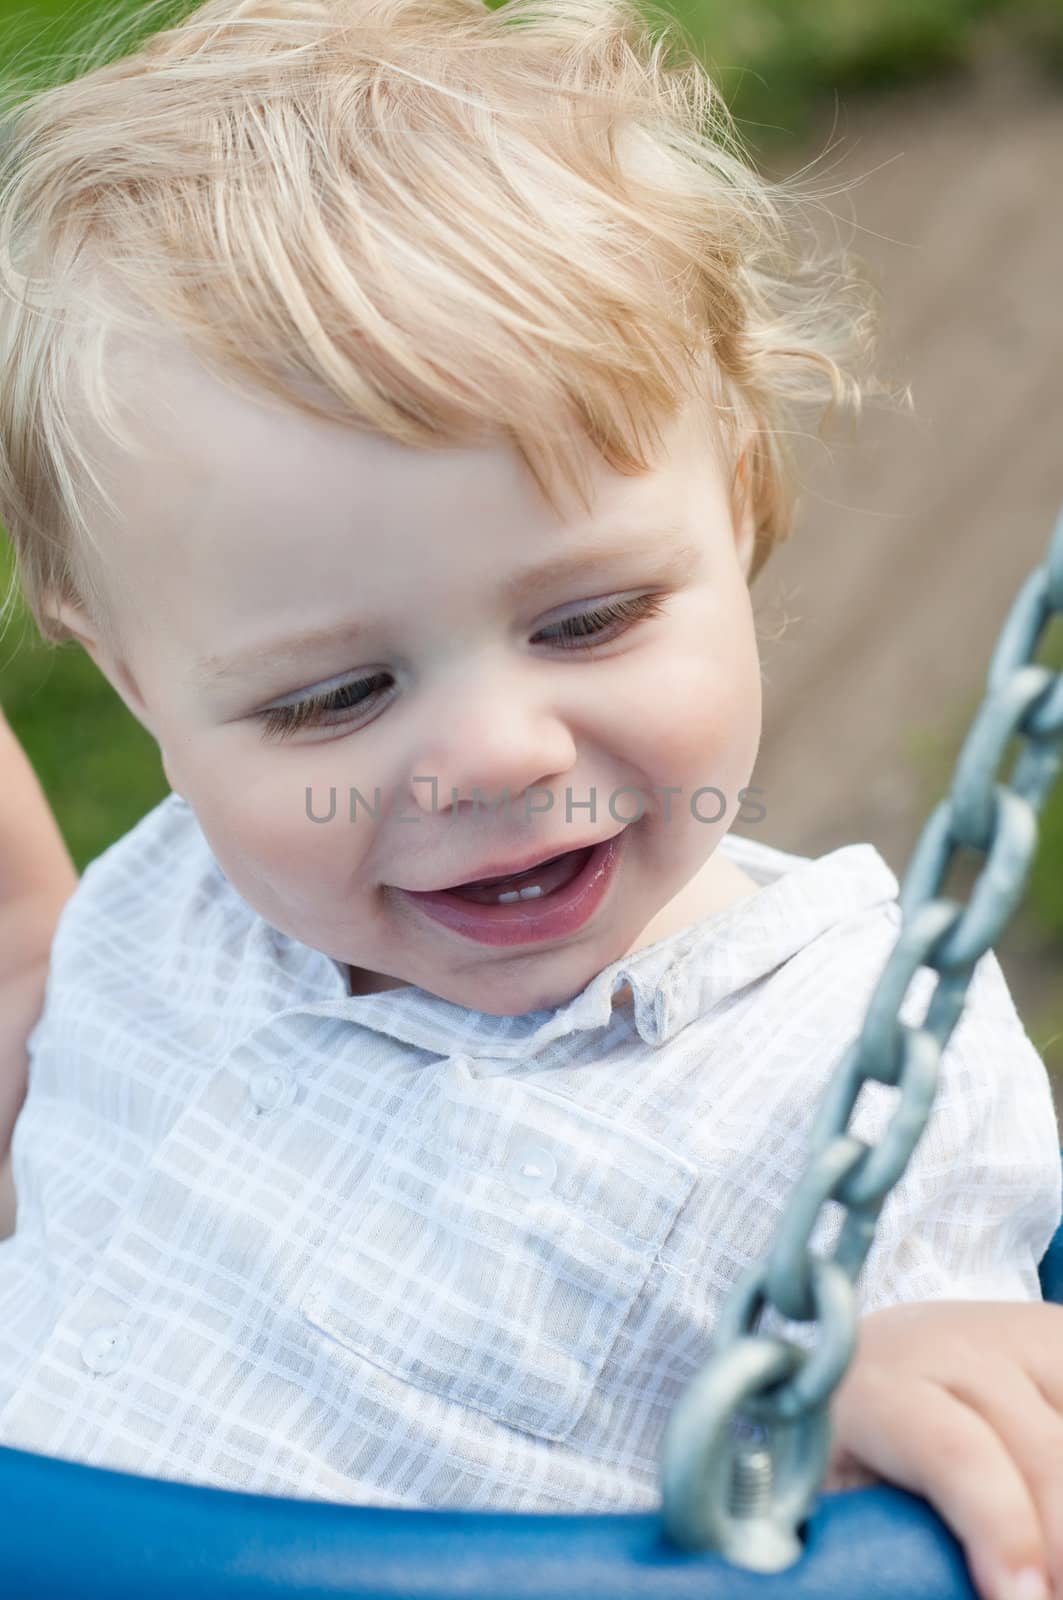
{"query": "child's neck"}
(719, 885)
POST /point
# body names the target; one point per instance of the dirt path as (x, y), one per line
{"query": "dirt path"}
(911, 543)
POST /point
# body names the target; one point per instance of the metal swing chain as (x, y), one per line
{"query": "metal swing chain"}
(746, 1496)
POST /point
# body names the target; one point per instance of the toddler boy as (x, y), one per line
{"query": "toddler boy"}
(414, 1083)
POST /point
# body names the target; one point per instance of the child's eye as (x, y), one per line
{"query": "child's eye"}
(592, 624)
(319, 710)
(328, 710)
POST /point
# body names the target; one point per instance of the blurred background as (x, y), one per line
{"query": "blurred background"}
(934, 130)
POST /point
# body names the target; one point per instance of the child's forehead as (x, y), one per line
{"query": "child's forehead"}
(239, 519)
(217, 448)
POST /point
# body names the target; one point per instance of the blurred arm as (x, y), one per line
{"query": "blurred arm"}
(37, 877)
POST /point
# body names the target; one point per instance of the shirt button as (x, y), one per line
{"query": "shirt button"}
(532, 1169)
(272, 1088)
(105, 1349)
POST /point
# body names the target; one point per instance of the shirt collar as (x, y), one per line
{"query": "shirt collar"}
(673, 981)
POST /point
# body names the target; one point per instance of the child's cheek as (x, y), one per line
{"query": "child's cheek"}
(290, 855)
(697, 715)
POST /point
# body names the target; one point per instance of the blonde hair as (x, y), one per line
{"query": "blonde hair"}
(426, 218)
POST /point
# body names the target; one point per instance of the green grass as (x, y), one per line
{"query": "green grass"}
(780, 61)
(99, 768)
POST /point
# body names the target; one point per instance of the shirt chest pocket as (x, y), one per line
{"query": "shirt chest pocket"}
(496, 1247)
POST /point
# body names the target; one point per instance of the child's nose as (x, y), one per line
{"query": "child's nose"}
(492, 751)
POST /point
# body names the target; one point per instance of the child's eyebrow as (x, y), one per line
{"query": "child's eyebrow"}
(671, 554)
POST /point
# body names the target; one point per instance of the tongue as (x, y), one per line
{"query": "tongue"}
(549, 875)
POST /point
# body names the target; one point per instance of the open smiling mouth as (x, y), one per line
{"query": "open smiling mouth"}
(536, 881)
(549, 901)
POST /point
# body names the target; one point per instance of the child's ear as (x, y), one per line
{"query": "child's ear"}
(81, 626)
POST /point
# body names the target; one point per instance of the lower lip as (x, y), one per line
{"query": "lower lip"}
(528, 921)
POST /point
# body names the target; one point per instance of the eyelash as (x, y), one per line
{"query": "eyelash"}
(283, 721)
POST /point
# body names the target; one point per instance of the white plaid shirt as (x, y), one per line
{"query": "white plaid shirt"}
(382, 1250)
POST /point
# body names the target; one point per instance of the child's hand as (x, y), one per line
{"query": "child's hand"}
(961, 1402)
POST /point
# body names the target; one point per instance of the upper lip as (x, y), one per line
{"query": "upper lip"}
(503, 869)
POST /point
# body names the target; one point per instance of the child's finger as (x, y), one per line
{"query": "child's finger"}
(1042, 1361)
(951, 1456)
(1031, 1429)
(1034, 1331)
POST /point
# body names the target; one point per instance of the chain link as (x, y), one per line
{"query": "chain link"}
(706, 1469)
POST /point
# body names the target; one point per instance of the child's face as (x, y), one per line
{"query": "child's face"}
(247, 529)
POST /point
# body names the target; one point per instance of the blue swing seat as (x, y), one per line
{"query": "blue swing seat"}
(74, 1532)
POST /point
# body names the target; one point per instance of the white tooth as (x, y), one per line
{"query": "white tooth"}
(530, 893)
